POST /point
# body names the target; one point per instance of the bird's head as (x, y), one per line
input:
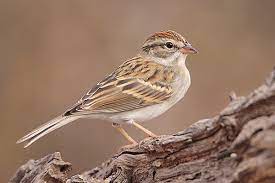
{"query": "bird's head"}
(167, 46)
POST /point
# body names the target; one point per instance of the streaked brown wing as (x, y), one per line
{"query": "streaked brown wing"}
(135, 84)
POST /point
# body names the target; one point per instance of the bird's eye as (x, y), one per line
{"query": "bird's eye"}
(169, 45)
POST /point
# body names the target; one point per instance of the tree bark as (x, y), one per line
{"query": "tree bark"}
(236, 146)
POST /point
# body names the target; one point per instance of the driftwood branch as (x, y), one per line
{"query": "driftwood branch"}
(236, 146)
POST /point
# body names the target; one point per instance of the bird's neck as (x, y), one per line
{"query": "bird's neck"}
(176, 59)
(180, 61)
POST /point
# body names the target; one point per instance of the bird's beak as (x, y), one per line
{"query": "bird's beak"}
(188, 49)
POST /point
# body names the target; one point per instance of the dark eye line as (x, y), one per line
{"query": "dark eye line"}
(158, 44)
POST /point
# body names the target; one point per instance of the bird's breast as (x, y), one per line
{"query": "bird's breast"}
(181, 85)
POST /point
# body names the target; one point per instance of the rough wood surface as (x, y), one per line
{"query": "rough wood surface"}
(236, 146)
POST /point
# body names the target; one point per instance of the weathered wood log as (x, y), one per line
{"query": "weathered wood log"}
(236, 146)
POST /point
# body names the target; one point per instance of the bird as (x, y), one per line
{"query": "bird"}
(140, 89)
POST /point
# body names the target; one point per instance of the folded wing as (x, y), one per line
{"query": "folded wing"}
(135, 84)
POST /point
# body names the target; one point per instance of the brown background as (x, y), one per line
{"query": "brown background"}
(52, 52)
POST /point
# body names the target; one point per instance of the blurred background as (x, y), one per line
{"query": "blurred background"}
(52, 52)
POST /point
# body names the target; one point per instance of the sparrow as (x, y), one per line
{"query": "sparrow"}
(140, 89)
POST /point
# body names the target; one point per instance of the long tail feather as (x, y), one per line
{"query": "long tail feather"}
(45, 129)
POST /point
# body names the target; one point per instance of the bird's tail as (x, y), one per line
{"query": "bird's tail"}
(46, 128)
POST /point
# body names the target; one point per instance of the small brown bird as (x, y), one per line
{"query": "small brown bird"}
(140, 89)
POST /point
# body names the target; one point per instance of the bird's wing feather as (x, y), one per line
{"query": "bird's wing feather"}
(133, 85)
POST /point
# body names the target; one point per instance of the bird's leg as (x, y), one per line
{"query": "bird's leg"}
(124, 133)
(148, 132)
